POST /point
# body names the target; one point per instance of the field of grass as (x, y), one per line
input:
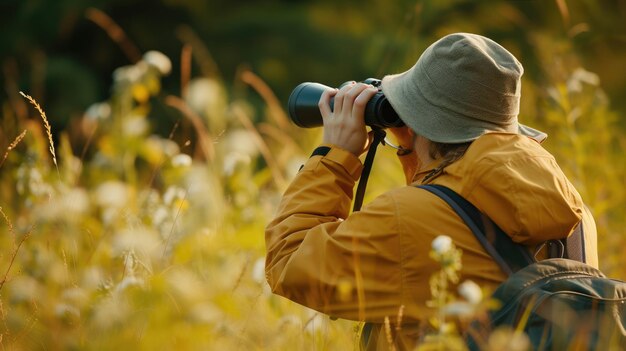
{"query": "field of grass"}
(115, 237)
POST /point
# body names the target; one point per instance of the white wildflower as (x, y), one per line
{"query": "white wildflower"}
(206, 313)
(204, 95)
(158, 60)
(135, 125)
(139, 240)
(98, 111)
(471, 292)
(150, 197)
(109, 215)
(160, 215)
(36, 185)
(92, 278)
(580, 76)
(75, 202)
(112, 194)
(25, 288)
(241, 141)
(70, 205)
(75, 295)
(64, 310)
(459, 309)
(186, 285)
(181, 160)
(442, 244)
(127, 282)
(554, 94)
(172, 194)
(109, 312)
(233, 160)
(166, 146)
(131, 73)
(258, 271)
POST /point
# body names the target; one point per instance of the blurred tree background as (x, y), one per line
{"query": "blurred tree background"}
(54, 49)
(145, 228)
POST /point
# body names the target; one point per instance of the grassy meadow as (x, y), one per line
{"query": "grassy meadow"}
(117, 236)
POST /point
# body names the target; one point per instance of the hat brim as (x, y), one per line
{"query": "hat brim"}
(438, 123)
(532, 133)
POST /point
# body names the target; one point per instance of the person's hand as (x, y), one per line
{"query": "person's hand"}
(344, 125)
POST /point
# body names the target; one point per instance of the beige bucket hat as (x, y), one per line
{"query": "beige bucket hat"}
(462, 86)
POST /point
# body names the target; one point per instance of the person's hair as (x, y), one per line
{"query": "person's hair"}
(450, 154)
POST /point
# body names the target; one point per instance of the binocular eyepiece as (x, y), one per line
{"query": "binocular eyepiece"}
(305, 113)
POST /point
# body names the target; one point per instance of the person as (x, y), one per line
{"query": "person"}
(460, 104)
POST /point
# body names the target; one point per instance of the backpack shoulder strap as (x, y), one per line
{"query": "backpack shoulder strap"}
(575, 244)
(491, 237)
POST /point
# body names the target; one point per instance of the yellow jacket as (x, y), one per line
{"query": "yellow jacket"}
(364, 266)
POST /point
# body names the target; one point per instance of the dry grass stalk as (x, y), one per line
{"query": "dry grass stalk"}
(206, 144)
(115, 32)
(6, 218)
(399, 320)
(392, 346)
(203, 55)
(263, 148)
(46, 124)
(13, 255)
(277, 112)
(167, 241)
(185, 68)
(280, 136)
(241, 274)
(156, 169)
(562, 5)
(12, 146)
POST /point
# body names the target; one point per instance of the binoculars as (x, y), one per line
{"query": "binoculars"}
(304, 110)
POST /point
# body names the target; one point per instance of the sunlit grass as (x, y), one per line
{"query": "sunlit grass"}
(156, 242)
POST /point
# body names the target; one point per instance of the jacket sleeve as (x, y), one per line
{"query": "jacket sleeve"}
(318, 256)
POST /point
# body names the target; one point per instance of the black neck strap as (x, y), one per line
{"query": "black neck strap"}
(509, 255)
(379, 136)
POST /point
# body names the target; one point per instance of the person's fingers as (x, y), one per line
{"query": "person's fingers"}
(324, 103)
(341, 97)
(360, 102)
(351, 96)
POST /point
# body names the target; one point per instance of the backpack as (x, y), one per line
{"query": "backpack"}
(562, 302)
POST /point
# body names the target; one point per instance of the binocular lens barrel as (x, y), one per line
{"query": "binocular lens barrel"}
(304, 111)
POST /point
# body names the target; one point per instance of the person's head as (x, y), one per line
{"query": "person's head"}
(462, 86)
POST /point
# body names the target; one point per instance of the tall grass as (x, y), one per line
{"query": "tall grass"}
(156, 242)
(142, 242)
